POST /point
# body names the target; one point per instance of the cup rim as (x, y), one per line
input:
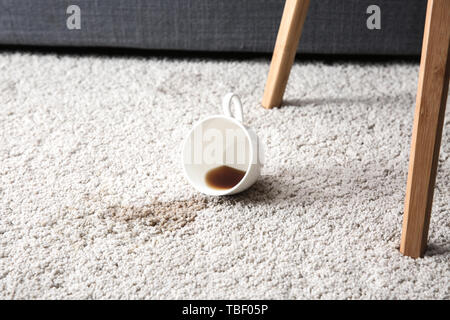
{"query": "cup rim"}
(217, 192)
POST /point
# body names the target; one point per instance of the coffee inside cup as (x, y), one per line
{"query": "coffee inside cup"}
(223, 177)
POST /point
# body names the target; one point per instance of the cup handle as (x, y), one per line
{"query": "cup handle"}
(226, 105)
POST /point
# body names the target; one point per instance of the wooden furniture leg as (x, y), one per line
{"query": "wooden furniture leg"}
(427, 131)
(289, 33)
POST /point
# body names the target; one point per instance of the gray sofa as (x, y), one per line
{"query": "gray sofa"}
(331, 27)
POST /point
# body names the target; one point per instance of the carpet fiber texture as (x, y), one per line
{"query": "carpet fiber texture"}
(93, 203)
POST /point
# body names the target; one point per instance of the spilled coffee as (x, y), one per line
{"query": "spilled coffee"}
(223, 177)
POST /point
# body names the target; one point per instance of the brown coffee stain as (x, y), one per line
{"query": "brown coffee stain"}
(162, 215)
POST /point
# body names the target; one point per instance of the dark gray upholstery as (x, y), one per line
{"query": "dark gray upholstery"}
(331, 27)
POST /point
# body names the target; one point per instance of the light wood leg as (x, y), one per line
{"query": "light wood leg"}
(427, 131)
(289, 33)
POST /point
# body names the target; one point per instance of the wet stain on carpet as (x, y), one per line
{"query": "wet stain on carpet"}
(164, 216)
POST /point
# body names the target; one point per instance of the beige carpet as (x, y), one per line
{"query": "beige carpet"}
(93, 203)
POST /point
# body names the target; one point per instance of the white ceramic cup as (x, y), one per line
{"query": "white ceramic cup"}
(222, 140)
